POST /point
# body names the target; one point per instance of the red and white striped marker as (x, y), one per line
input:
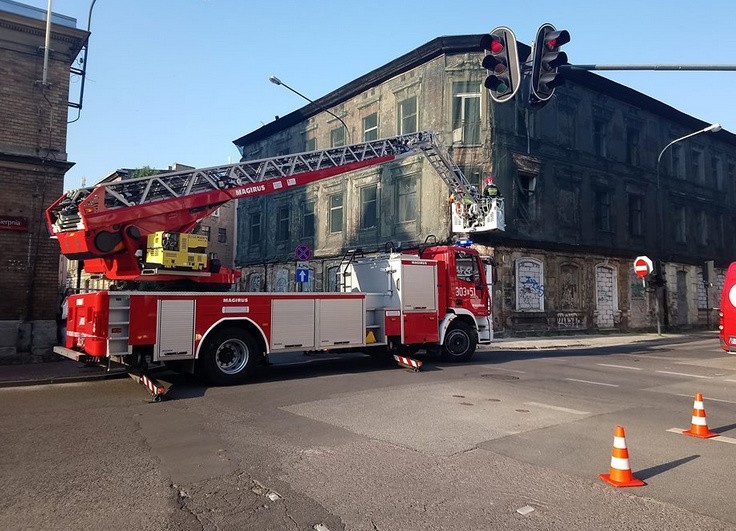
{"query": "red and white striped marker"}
(409, 363)
(156, 390)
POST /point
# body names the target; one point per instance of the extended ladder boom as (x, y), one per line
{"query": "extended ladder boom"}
(111, 219)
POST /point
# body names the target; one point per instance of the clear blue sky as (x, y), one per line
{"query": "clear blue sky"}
(179, 80)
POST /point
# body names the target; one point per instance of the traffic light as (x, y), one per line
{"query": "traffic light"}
(502, 60)
(546, 60)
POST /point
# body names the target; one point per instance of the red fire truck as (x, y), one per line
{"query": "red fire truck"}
(727, 325)
(435, 296)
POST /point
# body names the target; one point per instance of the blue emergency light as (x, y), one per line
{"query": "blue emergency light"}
(464, 242)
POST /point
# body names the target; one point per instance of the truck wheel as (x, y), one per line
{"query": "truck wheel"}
(228, 357)
(460, 342)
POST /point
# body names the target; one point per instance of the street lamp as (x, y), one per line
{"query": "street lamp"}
(713, 128)
(277, 81)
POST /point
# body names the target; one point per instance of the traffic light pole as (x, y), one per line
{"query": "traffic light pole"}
(723, 68)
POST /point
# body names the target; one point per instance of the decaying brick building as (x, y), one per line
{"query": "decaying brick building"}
(580, 178)
(33, 161)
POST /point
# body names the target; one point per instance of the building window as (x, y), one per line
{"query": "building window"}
(600, 138)
(632, 145)
(310, 144)
(466, 112)
(717, 164)
(568, 207)
(408, 118)
(407, 199)
(568, 126)
(702, 228)
(636, 226)
(336, 212)
(337, 137)
(333, 279)
(283, 222)
(529, 285)
(570, 288)
(368, 207)
(307, 230)
(472, 174)
(680, 225)
(698, 168)
(255, 282)
(678, 161)
(526, 184)
(204, 229)
(370, 127)
(603, 210)
(254, 228)
(221, 235)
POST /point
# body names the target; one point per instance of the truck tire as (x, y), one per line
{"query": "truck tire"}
(460, 342)
(228, 357)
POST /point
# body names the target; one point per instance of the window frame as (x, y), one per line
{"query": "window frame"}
(402, 199)
(305, 214)
(461, 99)
(403, 117)
(372, 203)
(372, 130)
(335, 140)
(334, 209)
(283, 223)
(255, 229)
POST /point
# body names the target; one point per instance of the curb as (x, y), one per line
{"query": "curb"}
(62, 379)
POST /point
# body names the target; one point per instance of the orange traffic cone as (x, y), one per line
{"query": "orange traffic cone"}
(698, 425)
(620, 473)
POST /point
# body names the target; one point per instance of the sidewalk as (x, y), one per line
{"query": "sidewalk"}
(66, 371)
(63, 371)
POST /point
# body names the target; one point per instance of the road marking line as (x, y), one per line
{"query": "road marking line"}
(619, 366)
(649, 356)
(732, 381)
(589, 382)
(711, 399)
(557, 408)
(717, 438)
(685, 374)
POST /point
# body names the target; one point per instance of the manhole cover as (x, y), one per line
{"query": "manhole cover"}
(505, 377)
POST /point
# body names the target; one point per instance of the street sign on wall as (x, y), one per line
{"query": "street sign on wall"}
(643, 266)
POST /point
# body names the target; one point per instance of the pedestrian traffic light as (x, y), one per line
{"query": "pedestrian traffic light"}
(502, 60)
(546, 60)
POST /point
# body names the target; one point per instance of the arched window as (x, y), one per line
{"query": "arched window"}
(606, 296)
(529, 285)
(569, 283)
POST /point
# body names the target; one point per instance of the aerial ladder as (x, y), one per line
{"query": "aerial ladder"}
(115, 227)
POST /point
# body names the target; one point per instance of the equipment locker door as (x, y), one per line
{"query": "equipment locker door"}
(175, 330)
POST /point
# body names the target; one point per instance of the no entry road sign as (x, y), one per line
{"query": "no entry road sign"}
(642, 266)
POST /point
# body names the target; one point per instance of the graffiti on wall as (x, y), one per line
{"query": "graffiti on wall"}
(282, 280)
(529, 285)
(569, 320)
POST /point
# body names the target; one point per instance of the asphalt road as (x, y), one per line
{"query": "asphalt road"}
(350, 443)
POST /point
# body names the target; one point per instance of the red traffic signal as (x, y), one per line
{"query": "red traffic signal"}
(502, 61)
(546, 60)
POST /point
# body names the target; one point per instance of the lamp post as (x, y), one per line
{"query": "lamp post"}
(713, 128)
(277, 81)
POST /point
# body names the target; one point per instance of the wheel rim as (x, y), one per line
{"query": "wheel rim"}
(232, 356)
(457, 343)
